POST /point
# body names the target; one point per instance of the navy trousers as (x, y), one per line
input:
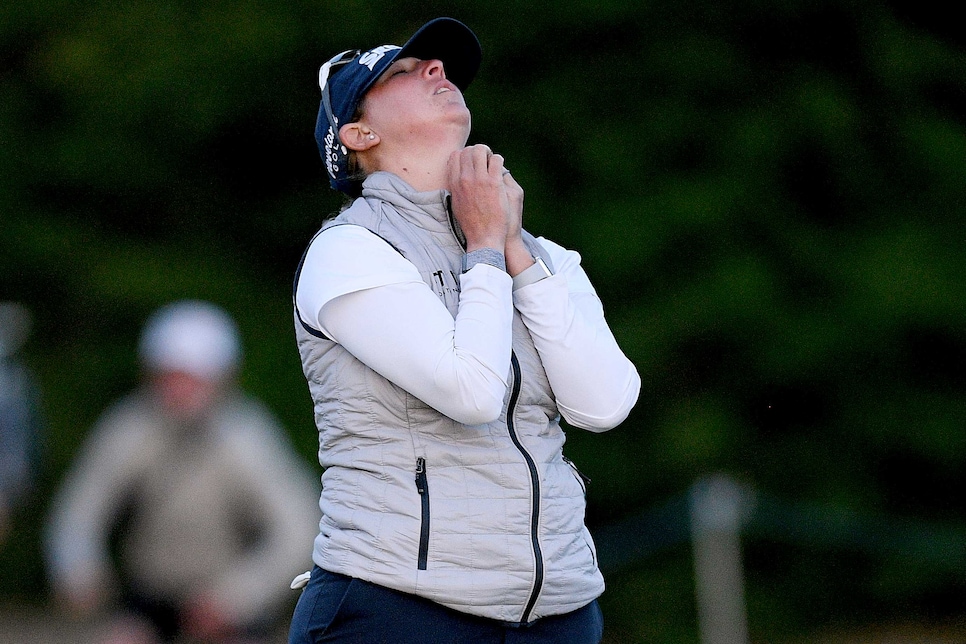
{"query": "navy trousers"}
(339, 609)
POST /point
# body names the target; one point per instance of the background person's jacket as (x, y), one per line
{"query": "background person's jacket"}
(219, 509)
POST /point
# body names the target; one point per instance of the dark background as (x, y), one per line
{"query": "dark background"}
(769, 197)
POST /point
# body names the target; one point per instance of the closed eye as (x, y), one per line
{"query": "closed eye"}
(402, 66)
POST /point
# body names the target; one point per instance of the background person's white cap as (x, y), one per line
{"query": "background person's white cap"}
(191, 336)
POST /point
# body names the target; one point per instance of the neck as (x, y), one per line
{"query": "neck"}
(422, 164)
(421, 173)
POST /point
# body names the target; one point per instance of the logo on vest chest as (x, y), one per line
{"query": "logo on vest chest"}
(445, 283)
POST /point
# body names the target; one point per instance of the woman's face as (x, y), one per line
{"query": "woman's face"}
(413, 98)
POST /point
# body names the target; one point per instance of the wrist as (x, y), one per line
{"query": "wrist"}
(496, 243)
(489, 256)
(537, 271)
(518, 257)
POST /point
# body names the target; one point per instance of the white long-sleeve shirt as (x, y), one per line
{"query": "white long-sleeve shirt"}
(364, 295)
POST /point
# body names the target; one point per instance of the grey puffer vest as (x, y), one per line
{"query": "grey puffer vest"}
(488, 519)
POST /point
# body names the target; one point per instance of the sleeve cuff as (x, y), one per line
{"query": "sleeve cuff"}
(484, 256)
(535, 273)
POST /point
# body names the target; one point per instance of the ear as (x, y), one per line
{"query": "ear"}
(357, 136)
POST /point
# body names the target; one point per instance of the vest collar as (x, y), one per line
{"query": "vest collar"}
(429, 210)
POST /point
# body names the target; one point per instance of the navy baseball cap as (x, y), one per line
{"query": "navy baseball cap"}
(346, 78)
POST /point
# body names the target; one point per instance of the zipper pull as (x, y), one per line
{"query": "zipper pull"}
(583, 477)
(421, 475)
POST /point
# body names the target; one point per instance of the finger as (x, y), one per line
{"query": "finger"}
(484, 147)
(467, 163)
(481, 155)
(495, 165)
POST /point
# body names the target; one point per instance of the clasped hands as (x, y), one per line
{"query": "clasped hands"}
(488, 204)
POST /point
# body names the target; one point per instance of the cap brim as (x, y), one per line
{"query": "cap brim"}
(450, 41)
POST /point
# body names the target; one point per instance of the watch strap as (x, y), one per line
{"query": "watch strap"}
(535, 273)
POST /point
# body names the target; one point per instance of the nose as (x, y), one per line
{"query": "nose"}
(434, 68)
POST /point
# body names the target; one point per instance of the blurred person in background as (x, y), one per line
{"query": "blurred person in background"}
(186, 512)
(20, 424)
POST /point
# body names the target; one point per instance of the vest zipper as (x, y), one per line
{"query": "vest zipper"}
(535, 489)
(422, 486)
(453, 226)
(531, 466)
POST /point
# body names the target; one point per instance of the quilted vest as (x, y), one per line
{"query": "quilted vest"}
(486, 519)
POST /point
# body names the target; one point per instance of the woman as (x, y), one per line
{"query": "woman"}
(442, 343)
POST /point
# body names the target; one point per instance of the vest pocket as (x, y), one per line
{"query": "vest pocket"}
(580, 476)
(422, 486)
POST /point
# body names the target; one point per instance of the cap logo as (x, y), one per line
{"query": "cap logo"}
(373, 56)
(334, 151)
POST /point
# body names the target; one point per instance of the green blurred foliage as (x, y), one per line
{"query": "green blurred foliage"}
(768, 196)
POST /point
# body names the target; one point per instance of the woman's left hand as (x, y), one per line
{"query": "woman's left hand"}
(514, 193)
(517, 256)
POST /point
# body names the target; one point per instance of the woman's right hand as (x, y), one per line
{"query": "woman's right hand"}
(480, 201)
